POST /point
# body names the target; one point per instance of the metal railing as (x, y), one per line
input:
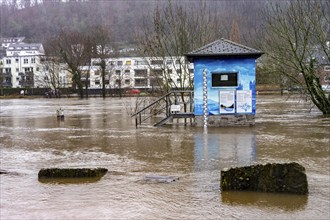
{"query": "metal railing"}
(182, 99)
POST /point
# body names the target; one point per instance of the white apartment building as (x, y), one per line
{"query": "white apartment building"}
(21, 64)
(142, 72)
(25, 65)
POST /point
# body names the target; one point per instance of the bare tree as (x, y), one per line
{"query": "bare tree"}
(296, 43)
(75, 50)
(122, 78)
(176, 30)
(101, 38)
(50, 77)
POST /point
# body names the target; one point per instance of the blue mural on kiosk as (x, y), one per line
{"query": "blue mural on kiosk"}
(246, 82)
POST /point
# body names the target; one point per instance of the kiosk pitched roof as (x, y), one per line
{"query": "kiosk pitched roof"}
(224, 48)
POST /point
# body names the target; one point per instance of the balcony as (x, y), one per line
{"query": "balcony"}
(6, 74)
(6, 84)
(26, 83)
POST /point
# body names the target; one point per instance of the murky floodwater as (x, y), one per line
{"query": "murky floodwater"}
(99, 133)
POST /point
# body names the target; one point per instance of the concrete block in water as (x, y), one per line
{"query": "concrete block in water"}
(71, 173)
(161, 179)
(277, 178)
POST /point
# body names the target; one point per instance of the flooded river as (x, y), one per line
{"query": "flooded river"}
(99, 133)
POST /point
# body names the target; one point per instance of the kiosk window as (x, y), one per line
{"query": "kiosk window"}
(224, 79)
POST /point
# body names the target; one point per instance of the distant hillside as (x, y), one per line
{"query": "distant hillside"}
(39, 21)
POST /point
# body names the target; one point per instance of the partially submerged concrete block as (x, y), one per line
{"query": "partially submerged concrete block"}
(161, 179)
(72, 173)
(277, 178)
(5, 172)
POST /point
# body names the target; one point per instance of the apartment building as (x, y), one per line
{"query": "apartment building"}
(143, 73)
(25, 65)
(21, 64)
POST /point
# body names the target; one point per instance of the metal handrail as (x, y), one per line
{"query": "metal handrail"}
(148, 106)
(138, 117)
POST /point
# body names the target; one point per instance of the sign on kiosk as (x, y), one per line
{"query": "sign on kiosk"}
(244, 101)
(227, 101)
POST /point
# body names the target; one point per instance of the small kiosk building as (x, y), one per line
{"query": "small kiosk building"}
(224, 84)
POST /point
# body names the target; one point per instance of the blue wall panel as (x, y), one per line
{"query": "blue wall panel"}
(246, 68)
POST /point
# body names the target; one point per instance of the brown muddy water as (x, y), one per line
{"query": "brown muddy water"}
(99, 133)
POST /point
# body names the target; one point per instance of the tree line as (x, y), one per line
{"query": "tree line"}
(38, 20)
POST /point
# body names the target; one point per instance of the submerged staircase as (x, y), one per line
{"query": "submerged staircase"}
(173, 105)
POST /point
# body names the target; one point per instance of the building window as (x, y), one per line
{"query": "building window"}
(140, 82)
(8, 70)
(141, 62)
(8, 61)
(33, 60)
(327, 68)
(17, 70)
(127, 72)
(117, 72)
(154, 82)
(112, 63)
(157, 72)
(119, 63)
(128, 62)
(118, 82)
(178, 81)
(156, 62)
(127, 81)
(141, 72)
(17, 60)
(26, 61)
(97, 82)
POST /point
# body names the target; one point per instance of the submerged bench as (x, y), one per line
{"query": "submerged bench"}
(275, 177)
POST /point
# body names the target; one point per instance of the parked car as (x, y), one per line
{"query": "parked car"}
(133, 91)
